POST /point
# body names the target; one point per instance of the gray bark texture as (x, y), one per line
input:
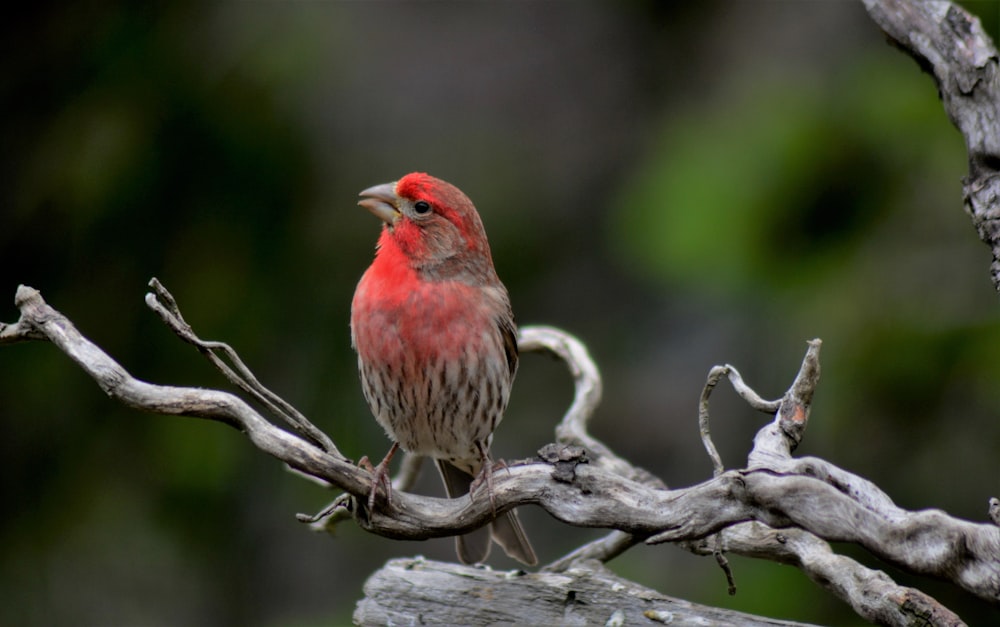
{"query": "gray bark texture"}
(440, 593)
(949, 44)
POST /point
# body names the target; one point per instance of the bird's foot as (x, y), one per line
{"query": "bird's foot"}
(380, 476)
(485, 476)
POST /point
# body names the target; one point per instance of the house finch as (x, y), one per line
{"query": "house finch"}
(436, 342)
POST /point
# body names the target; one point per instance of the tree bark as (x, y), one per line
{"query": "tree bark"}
(949, 43)
(588, 594)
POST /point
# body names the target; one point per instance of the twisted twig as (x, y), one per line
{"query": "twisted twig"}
(163, 303)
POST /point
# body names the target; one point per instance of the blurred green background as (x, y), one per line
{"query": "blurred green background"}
(679, 184)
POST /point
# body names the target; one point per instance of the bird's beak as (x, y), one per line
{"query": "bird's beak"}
(382, 201)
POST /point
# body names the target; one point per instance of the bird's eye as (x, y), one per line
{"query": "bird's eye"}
(421, 207)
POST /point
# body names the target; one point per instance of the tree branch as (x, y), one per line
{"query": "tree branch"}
(872, 594)
(808, 496)
(39, 320)
(949, 43)
(586, 594)
(162, 302)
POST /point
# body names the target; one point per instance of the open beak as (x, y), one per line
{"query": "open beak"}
(382, 201)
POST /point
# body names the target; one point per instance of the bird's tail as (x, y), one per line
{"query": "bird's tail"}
(506, 530)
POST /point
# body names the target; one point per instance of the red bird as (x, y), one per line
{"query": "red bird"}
(436, 342)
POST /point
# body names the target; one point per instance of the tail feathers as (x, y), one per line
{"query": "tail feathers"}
(474, 547)
(509, 534)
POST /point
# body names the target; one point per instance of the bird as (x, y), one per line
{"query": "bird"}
(436, 341)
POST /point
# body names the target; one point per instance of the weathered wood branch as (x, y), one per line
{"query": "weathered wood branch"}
(809, 500)
(585, 594)
(949, 43)
(162, 302)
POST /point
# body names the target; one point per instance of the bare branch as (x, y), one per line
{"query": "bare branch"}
(775, 442)
(714, 376)
(603, 550)
(776, 490)
(753, 399)
(572, 432)
(163, 303)
(117, 383)
(22, 330)
(949, 43)
(342, 507)
(586, 594)
(870, 593)
(587, 392)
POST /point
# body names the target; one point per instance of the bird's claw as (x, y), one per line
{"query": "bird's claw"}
(485, 476)
(380, 475)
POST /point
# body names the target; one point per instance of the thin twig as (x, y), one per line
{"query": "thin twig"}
(164, 304)
(341, 509)
(603, 549)
(714, 376)
(872, 594)
(720, 559)
(791, 414)
(748, 394)
(774, 443)
(572, 429)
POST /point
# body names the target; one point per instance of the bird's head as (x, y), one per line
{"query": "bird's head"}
(430, 221)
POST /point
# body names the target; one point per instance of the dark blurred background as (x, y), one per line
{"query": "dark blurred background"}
(679, 184)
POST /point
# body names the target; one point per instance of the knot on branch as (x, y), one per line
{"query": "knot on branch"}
(565, 459)
(28, 327)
